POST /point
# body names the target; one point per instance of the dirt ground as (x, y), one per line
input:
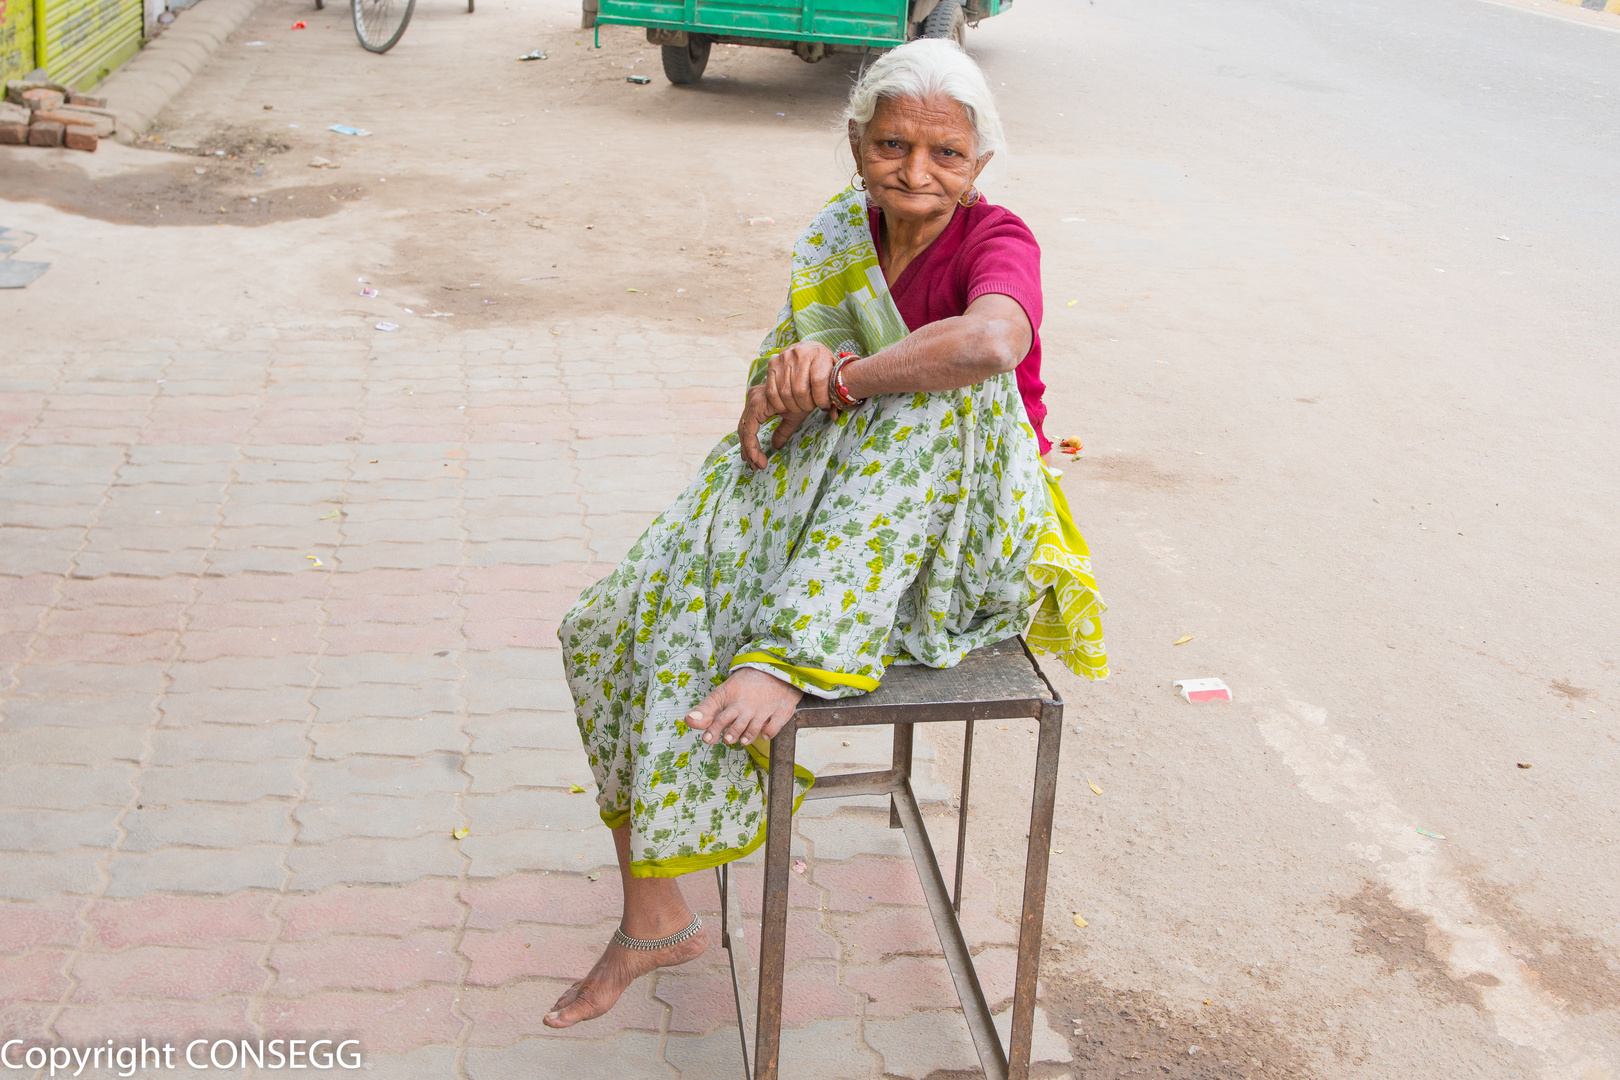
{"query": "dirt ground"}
(1329, 302)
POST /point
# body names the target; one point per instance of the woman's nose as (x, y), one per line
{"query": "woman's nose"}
(915, 171)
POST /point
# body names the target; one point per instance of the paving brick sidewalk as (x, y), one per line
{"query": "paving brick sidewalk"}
(279, 617)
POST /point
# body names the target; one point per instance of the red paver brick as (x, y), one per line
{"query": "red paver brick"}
(342, 962)
(561, 577)
(903, 985)
(35, 590)
(488, 635)
(558, 952)
(250, 641)
(367, 583)
(160, 971)
(421, 905)
(384, 608)
(44, 922)
(276, 588)
(192, 921)
(104, 648)
(545, 898)
(14, 645)
(35, 976)
(749, 881)
(393, 638)
(501, 1017)
(888, 931)
(114, 619)
(30, 1023)
(382, 1022)
(256, 615)
(175, 1022)
(486, 431)
(857, 884)
(126, 592)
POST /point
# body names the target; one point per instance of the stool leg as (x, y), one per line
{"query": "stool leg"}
(773, 920)
(1035, 867)
(961, 815)
(901, 763)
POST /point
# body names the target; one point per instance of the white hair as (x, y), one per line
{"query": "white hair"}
(928, 67)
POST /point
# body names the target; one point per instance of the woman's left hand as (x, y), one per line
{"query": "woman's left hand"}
(756, 410)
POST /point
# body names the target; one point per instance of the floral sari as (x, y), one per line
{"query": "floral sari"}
(912, 530)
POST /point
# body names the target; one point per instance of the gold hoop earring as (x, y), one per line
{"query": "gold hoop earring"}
(970, 197)
(853, 177)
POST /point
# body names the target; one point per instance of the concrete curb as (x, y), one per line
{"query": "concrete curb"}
(139, 90)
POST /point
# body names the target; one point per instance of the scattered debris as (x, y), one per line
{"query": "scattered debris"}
(323, 163)
(387, 326)
(1182, 640)
(1203, 690)
(548, 277)
(300, 25)
(1436, 835)
(13, 240)
(1524, 764)
(19, 274)
(575, 789)
(314, 560)
(330, 515)
(345, 129)
(1080, 921)
(439, 315)
(594, 875)
(762, 220)
(368, 292)
(1071, 446)
(639, 80)
(1092, 784)
(538, 54)
(799, 866)
(461, 833)
(1501, 238)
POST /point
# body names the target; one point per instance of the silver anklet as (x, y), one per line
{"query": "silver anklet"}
(662, 943)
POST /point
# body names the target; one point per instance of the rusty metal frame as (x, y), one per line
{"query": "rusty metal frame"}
(999, 1063)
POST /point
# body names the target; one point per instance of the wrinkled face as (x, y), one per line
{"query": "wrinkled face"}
(918, 156)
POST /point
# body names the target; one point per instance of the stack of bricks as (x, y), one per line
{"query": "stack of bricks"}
(35, 114)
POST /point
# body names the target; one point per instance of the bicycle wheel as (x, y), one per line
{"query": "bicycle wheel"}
(379, 23)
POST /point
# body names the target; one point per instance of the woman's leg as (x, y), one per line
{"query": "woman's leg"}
(653, 908)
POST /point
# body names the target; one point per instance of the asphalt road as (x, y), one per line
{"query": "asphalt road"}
(1343, 358)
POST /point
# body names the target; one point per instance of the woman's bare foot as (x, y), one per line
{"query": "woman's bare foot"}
(617, 968)
(749, 703)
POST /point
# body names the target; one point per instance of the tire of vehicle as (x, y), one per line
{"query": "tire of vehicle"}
(684, 64)
(947, 20)
(379, 23)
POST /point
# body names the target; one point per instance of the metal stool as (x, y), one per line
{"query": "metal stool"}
(998, 682)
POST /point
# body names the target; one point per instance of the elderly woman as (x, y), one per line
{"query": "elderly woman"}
(901, 514)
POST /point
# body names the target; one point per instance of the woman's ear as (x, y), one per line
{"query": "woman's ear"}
(854, 143)
(979, 165)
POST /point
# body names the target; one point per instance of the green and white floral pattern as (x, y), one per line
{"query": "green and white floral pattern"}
(903, 532)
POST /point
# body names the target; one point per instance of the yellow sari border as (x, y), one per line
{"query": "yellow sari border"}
(816, 677)
(678, 865)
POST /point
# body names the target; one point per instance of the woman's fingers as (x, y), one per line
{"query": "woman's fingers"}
(785, 428)
(753, 415)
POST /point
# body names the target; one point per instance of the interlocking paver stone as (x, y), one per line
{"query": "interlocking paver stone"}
(385, 816)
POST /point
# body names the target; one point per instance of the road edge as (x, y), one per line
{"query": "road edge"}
(140, 89)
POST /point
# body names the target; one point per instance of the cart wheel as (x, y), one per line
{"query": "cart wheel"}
(379, 23)
(946, 21)
(320, 5)
(684, 64)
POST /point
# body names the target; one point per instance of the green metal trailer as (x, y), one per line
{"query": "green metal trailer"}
(813, 29)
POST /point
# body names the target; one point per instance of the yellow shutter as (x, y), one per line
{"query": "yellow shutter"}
(16, 38)
(81, 41)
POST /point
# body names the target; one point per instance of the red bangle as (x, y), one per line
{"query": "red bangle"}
(840, 392)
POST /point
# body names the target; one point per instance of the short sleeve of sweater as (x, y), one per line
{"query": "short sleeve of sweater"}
(1002, 256)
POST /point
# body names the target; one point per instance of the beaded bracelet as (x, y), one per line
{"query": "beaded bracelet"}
(837, 390)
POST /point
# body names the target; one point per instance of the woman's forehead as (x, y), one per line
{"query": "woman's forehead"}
(937, 116)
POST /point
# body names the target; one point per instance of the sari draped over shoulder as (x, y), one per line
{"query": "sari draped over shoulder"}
(910, 531)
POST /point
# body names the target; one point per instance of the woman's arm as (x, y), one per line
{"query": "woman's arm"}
(993, 336)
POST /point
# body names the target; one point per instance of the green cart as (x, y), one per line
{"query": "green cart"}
(813, 29)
